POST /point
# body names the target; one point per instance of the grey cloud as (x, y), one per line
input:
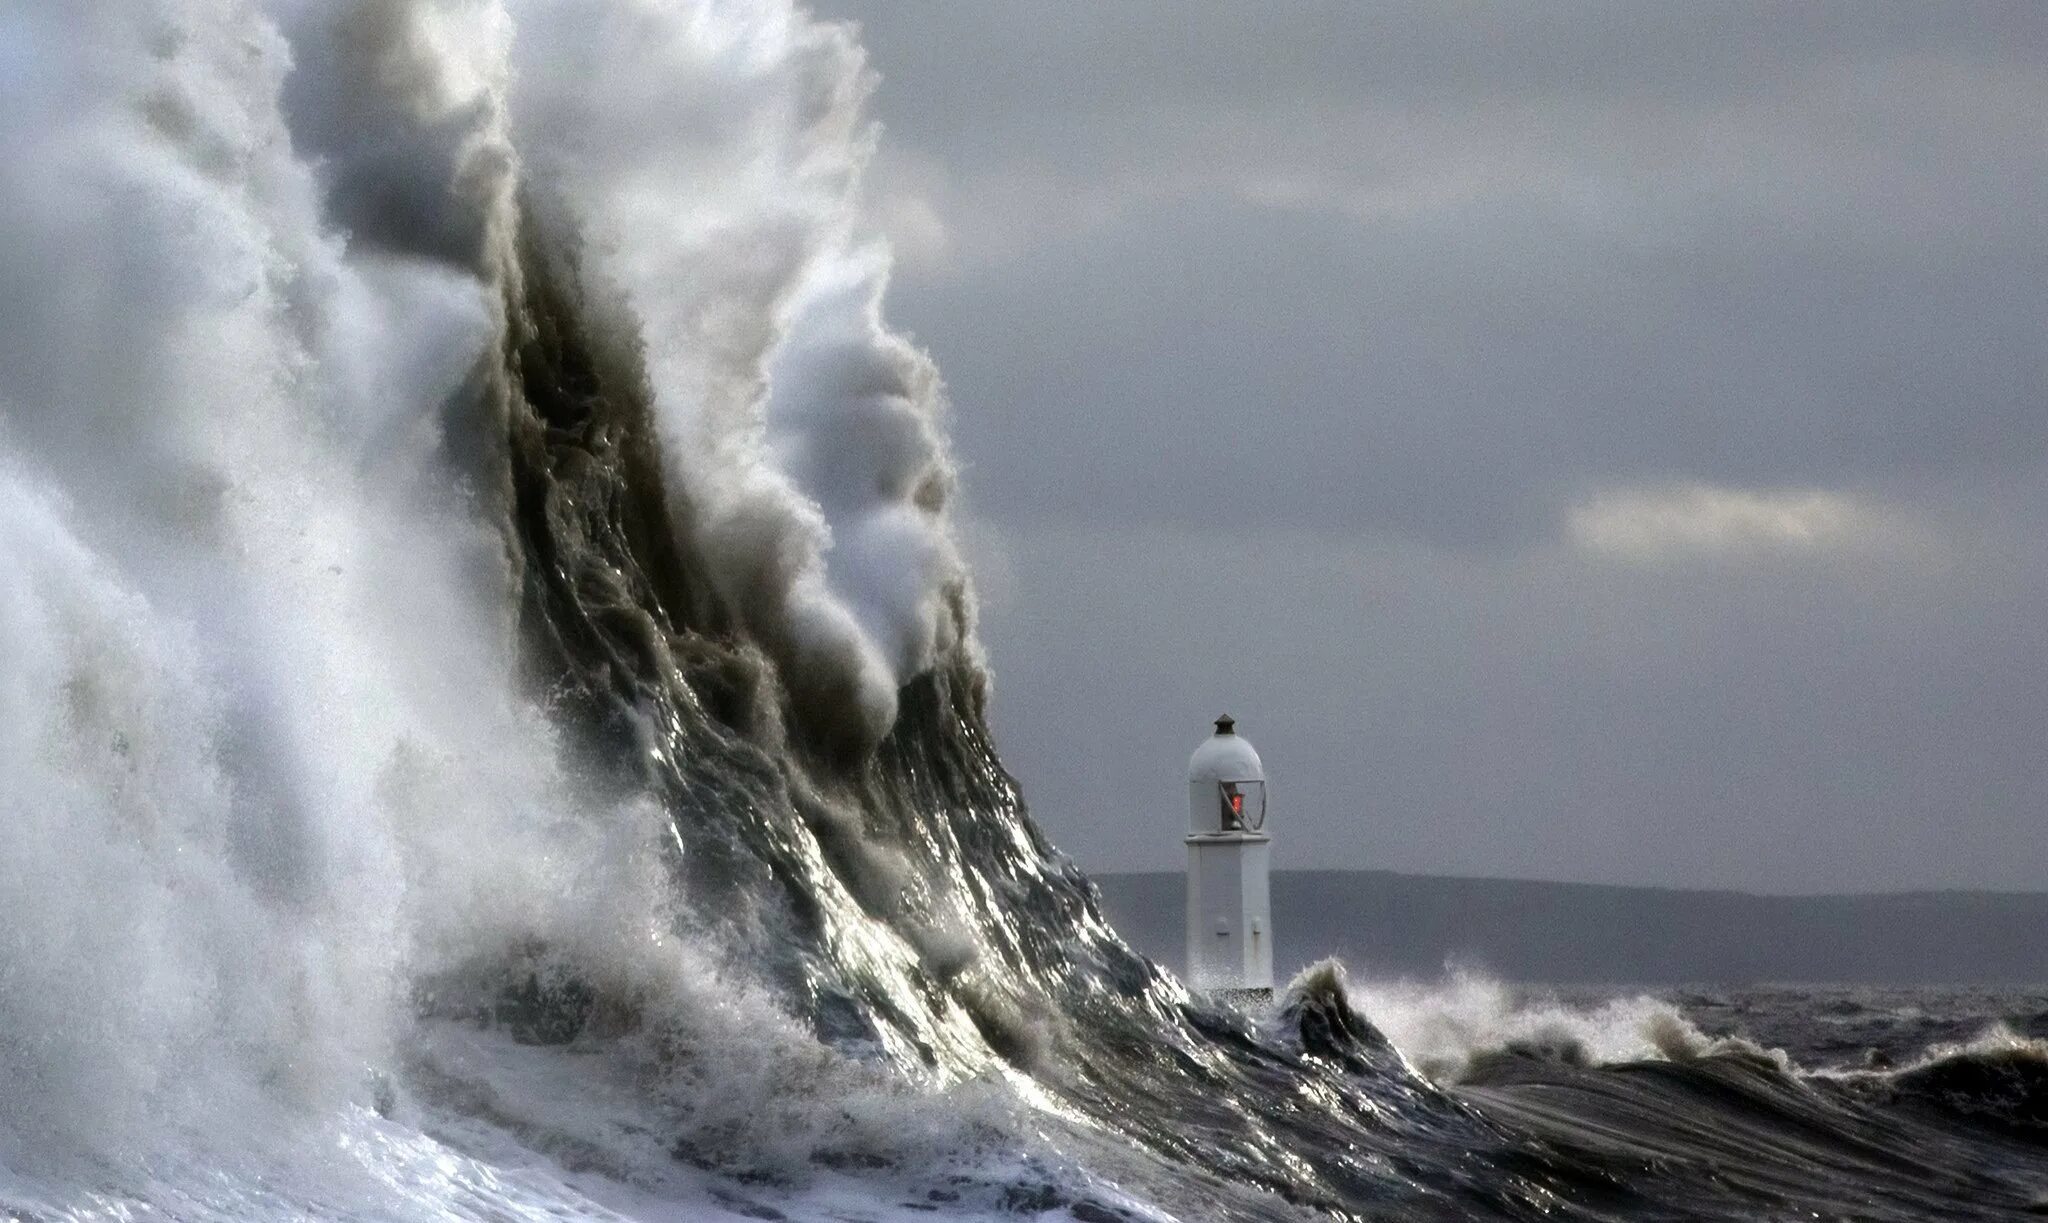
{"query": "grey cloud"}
(1848, 726)
(1030, 76)
(1286, 341)
(1222, 365)
(1436, 270)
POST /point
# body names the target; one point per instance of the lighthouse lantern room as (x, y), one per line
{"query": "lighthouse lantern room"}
(1230, 909)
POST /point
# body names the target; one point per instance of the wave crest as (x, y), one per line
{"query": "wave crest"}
(1458, 1027)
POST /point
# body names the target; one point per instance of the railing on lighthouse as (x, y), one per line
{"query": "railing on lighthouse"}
(1230, 911)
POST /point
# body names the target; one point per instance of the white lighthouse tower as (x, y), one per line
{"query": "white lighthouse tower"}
(1230, 907)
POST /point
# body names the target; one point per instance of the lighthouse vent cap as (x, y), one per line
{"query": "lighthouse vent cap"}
(1225, 756)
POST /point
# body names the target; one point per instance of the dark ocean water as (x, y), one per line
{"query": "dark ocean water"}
(1809, 1101)
(1844, 1027)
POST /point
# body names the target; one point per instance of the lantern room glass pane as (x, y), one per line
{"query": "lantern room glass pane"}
(1244, 806)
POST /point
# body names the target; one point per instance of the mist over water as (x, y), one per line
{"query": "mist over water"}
(490, 714)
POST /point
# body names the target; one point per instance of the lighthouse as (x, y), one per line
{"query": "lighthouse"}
(1230, 908)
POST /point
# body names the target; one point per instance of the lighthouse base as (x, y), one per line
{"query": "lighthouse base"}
(1230, 944)
(1247, 998)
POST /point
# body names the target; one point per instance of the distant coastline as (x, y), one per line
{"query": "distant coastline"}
(1386, 924)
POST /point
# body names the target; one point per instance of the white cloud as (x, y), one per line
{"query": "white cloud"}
(1703, 520)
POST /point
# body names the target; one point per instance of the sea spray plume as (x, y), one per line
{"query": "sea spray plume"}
(508, 870)
(1459, 1026)
(399, 103)
(114, 874)
(1316, 1011)
(852, 417)
(147, 380)
(399, 107)
(291, 637)
(710, 156)
(829, 885)
(692, 298)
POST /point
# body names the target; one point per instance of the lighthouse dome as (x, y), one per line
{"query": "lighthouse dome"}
(1226, 785)
(1225, 756)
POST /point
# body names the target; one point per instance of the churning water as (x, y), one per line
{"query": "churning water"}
(491, 723)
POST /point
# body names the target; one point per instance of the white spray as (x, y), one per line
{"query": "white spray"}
(712, 154)
(256, 662)
(265, 764)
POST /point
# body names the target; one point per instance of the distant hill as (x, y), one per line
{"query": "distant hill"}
(1385, 924)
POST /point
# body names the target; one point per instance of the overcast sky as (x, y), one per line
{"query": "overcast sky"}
(1582, 441)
